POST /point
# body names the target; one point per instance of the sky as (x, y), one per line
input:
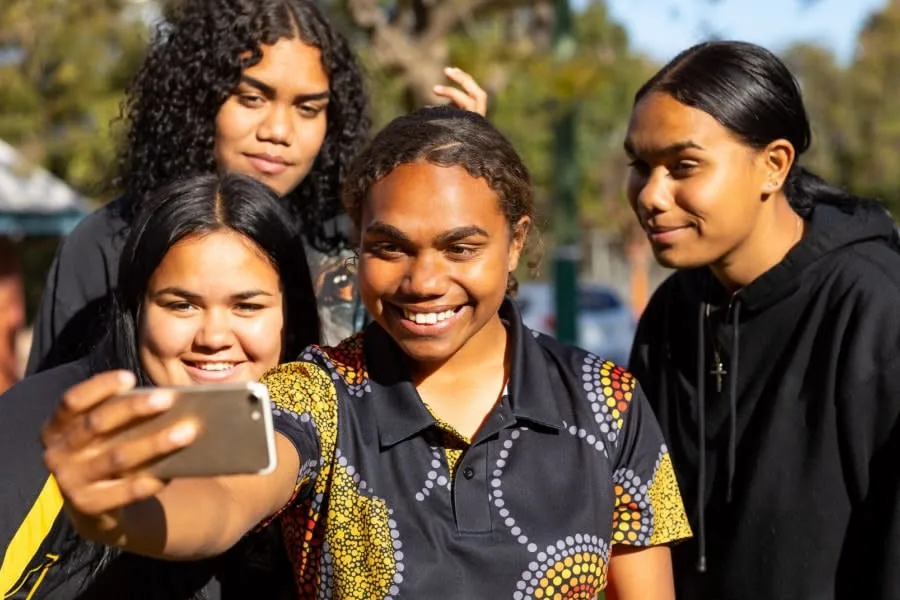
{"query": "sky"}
(662, 28)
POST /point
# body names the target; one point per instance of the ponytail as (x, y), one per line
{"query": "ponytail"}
(804, 189)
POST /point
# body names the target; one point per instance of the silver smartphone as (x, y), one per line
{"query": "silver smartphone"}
(234, 431)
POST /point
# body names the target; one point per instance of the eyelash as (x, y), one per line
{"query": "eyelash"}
(461, 252)
(179, 306)
(248, 307)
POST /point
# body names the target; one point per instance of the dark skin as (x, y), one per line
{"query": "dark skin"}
(435, 256)
(704, 196)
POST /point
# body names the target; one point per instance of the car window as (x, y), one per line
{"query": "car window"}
(594, 300)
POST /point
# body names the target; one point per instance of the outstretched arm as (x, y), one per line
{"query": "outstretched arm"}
(110, 502)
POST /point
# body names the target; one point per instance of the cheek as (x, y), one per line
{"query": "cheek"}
(377, 277)
(164, 337)
(233, 124)
(261, 337)
(312, 134)
(633, 187)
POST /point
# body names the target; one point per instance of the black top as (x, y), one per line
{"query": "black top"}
(83, 276)
(393, 503)
(41, 555)
(796, 381)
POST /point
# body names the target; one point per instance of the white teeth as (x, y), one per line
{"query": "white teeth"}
(427, 318)
(220, 366)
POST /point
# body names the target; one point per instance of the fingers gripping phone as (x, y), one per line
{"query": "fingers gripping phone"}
(234, 431)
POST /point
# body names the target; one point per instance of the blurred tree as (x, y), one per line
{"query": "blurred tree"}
(827, 93)
(63, 67)
(873, 84)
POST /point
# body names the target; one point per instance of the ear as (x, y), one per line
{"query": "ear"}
(776, 161)
(517, 243)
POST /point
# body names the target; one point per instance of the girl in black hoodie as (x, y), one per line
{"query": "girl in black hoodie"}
(771, 354)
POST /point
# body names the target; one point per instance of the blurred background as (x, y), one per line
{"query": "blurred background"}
(560, 73)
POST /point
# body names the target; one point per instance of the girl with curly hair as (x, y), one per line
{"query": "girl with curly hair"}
(266, 88)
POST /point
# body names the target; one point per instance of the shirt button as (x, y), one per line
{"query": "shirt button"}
(469, 473)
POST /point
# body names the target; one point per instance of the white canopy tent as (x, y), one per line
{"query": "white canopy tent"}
(33, 201)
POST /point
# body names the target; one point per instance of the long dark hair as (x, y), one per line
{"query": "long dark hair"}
(204, 204)
(193, 64)
(751, 92)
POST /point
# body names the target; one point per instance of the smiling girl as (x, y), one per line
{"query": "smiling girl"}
(445, 451)
(770, 355)
(210, 290)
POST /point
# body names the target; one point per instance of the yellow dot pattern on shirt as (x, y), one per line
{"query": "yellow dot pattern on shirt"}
(669, 519)
(647, 515)
(572, 568)
(343, 544)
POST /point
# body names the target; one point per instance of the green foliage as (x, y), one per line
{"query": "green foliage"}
(66, 65)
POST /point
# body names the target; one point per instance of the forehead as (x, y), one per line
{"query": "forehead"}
(430, 197)
(290, 63)
(222, 260)
(660, 121)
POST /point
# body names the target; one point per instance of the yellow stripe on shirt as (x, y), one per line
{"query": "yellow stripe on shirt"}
(31, 533)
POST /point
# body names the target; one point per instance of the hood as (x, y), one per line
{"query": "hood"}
(830, 228)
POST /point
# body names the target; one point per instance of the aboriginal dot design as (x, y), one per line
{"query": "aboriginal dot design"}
(346, 363)
(573, 568)
(609, 390)
(589, 438)
(346, 540)
(669, 521)
(496, 485)
(435, 476)
(648, 512)
(344, 543)
(632, 516)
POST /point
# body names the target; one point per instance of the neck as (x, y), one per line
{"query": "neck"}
(766, 246)
(486, 350)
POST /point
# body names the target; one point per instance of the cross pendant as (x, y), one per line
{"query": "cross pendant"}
(719, 373)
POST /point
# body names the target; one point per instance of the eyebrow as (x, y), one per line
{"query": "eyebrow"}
(446, 238)
(667, 150)
(182, 293)
(268, 90)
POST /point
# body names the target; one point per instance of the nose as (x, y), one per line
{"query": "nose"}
(426, 276)
(650, 193)
(215, 330)
(277, 125)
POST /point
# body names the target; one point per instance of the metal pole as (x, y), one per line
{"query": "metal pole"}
(567, 255)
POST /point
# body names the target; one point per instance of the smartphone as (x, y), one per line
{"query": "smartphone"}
(234, 431)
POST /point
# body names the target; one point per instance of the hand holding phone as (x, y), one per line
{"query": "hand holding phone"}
(234, 433)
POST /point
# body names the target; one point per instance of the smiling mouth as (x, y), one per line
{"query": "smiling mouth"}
(212, 367)
(429, 318)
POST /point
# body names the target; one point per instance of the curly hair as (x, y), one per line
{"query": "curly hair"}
(445, 136)
(193, 64)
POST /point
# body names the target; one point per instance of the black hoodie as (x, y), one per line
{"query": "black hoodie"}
(797, 495)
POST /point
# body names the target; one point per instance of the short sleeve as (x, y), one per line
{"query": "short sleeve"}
(304, 406)
(648, 507)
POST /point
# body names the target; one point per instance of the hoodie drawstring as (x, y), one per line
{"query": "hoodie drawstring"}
(701, 421)
(701, 439)
(732, 399)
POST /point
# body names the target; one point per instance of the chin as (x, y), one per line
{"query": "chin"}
(427, 352)
(672, 259)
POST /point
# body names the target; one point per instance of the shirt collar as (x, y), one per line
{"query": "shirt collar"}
(399, 411)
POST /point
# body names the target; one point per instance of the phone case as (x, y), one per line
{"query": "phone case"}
(235, 434)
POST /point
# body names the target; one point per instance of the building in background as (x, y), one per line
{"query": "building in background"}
(33, 204)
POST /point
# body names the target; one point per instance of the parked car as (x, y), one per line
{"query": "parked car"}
(605, 323)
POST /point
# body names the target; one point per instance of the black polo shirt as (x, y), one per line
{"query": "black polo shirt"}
(392, 503)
